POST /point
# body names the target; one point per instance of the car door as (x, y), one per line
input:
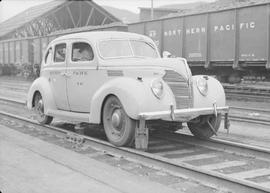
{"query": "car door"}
(56, 70)
(84, 77)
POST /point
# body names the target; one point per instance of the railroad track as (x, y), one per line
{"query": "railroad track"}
(232, 117)
(249, 120)
(256, 120)
(247, 97)
(250, 109)
(246, 93)
(233, 166)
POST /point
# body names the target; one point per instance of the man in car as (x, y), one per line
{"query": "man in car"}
(86, 54)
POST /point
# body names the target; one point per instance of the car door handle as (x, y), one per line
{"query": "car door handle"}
(66, 74)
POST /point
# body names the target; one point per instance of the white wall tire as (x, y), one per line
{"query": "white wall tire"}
(118, 126)
(39, 110)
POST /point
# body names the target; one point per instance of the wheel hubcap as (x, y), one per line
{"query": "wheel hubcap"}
(116, 119)
(39, 107)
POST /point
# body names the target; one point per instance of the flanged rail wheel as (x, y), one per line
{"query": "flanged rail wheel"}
(118, 126)
(200, 127)
(39, 110)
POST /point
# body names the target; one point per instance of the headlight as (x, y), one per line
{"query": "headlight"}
(157, 88)
(202, 85)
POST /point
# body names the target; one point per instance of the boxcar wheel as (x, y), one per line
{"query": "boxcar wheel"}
(200, 127)
(39, 110)
(118, 126)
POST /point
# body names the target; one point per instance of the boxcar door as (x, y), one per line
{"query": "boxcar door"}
(84, 77)
(55, 67)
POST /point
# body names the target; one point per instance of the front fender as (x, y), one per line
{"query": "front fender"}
(41, 85)
(136, 97)
(215, 94)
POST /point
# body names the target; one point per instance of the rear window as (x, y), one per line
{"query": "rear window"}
(60, 53)
(48, 56)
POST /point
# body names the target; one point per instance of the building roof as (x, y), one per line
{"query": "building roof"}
(159, 9)
(38, 11)
(27, 16)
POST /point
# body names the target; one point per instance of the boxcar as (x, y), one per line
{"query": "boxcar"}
(223, 42)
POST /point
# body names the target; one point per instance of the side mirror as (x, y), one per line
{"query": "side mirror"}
(166, 54)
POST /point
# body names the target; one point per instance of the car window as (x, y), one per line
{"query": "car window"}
(115, 48)
(48, 56)
(141, 48)
(60, 53)
(127, 48)
(82, 51)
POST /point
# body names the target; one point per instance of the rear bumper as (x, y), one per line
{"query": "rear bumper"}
(183, 114)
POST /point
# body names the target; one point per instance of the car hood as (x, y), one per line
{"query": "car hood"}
(177, 64)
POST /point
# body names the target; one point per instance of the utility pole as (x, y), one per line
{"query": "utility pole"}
(152, 9)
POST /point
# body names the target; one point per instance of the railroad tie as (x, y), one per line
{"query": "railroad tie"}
(196, 157)
(265, 184)
(223, 165)
(175, 152)
(251, 173)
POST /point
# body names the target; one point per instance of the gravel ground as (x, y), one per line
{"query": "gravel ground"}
(175, 181)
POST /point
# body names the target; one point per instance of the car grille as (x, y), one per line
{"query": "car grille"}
(180, 88)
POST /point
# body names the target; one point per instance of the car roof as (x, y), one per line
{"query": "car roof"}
(99, 35)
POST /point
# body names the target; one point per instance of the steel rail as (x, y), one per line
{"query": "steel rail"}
(249, 120)
(16, 101)
(249, 109)
(248, 97)
(182, 168)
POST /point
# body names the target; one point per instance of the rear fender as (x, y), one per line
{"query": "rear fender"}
(42, 86)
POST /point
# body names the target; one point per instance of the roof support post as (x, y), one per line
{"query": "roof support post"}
(40, 27)
(79, 23)
(71, 17)
(47, 25)
(90, 16)
(57, 21)
(99, 9)
(104, 20)
(33, 29)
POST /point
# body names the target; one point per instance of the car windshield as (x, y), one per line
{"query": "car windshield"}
(126, 48)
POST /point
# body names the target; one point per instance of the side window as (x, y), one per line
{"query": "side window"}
(48, 56)
(82, 51)
(60, 53)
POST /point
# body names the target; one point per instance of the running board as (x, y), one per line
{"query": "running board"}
(71, 116)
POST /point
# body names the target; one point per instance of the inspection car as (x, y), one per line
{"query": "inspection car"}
(119, 80)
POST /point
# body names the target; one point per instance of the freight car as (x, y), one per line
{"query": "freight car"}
(230, 43)
(29, 51)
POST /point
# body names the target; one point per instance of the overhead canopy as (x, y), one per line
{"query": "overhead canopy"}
(55, 15)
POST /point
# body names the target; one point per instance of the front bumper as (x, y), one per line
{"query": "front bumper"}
(183, 114)
(142, 134)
